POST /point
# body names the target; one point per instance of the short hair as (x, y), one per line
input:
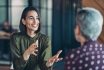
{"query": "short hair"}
(90, 21)
(22, 27)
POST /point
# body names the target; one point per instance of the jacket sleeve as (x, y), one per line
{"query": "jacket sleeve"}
(46, 54)
(18, 62)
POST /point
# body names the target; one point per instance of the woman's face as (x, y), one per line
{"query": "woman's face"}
(77, 33)
(31, 21)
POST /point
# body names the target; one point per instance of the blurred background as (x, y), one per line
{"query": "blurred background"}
(57, 21)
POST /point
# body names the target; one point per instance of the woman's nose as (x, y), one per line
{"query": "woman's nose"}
(35, 20)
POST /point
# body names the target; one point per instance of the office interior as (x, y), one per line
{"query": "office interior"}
(57, 21)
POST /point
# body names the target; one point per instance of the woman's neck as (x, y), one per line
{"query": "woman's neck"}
(31, 33)
(82, 41)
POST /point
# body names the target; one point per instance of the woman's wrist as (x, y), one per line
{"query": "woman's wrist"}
(26, 55)
(48, 64)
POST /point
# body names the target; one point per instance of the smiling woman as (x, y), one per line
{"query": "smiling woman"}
(30, 48)
(29, 18)
(31, 22)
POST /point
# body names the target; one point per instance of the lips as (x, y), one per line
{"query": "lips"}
(34, 25)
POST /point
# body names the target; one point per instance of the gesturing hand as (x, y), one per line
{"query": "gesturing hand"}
(54, 59)
(31, 50)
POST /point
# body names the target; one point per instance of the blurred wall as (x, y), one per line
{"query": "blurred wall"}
(45, 9)
(3, 11)
(64, 12)
(15, 10)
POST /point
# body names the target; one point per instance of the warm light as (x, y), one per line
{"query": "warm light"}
(18, 2)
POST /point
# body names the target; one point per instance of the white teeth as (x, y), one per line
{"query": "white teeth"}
(34, 26)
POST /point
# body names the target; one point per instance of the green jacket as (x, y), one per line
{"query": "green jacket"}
(20, 42)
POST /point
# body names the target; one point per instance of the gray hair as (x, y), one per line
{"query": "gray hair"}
(90, 21)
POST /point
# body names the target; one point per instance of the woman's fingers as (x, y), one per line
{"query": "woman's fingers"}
(34, 53)
(33, 47)
(58, 53)
(55, 57)
(51, 60)
(59, 59)
(36, 43)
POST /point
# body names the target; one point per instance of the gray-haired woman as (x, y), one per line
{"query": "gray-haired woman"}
(90, 56)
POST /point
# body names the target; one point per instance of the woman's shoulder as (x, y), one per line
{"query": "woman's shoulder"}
(43, 36)
(17, 34)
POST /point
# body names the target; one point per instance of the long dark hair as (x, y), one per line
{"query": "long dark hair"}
(22, 27)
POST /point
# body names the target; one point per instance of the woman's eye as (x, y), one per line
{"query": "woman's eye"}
(31, 18)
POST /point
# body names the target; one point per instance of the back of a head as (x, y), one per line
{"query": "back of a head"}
(90, 21)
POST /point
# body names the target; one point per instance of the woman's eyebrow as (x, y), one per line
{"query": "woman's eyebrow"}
(33, 16)
(30, 16)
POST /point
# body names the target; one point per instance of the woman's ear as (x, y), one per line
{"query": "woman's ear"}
(23, 21)
(77, 29)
